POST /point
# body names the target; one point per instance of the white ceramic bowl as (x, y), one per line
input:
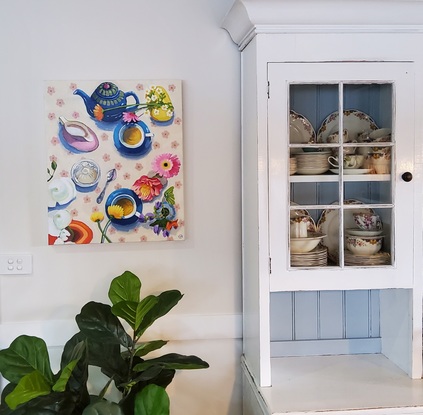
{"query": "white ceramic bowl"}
(363, 245)
(303, 245)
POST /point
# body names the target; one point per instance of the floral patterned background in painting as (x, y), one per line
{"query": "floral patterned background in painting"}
(125, 138)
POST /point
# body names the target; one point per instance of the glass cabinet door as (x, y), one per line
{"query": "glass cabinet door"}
(350, 171)
(341, 140)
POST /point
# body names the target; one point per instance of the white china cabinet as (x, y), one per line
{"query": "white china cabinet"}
(332, 124)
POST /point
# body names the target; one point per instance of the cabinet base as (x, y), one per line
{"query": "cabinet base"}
(369, 384)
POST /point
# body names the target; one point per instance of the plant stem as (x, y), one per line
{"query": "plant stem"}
(103, 232)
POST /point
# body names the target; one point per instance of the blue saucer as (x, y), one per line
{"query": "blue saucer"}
(132, 151)
(120, 194)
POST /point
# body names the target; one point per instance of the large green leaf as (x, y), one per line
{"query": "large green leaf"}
(133, 313)
(24, 355)
(103, 408)
(52, 404)
(98, 323)
(173, 361)
(76, 349)
(65, 374)
(167, 300)
(152, 400)
(125, 287)
(143, 349)
(29, 387)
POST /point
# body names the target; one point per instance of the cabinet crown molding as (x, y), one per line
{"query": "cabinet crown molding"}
(247, 18)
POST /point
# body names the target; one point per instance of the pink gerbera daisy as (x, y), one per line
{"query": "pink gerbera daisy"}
(130, 117)
(167, 165)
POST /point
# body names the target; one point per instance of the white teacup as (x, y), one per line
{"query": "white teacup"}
(354, 161)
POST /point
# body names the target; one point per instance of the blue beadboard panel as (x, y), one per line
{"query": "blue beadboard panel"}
(339, 321)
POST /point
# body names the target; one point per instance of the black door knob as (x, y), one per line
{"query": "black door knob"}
(407, 176)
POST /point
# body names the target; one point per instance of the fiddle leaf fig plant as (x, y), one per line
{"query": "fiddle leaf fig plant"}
(104, 342)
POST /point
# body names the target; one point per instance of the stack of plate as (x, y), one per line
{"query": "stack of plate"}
(380, 258)
(313, 163)
(292, 165)
(318, 257)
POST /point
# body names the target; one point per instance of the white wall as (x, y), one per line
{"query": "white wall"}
(104, 39)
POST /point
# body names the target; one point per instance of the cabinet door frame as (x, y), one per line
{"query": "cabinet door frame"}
(280, 76)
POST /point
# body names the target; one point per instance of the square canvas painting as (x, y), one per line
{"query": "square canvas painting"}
(115, 161)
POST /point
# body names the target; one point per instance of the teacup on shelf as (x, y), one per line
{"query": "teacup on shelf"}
(367, 221)
(354, 161)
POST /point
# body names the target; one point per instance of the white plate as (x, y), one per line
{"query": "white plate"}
(361, 232)
(300, 129)
(352, 171)
(329, 224)
(355, 122)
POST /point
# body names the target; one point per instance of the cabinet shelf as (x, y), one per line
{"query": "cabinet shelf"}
(370, 383)
(331, 278)
(335, 178)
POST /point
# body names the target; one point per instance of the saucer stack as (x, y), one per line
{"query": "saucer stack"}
(313, 163)
(318, 257)
(380, 258)
(292, 165)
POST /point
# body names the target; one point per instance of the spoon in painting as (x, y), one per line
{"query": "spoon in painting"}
(111, 175)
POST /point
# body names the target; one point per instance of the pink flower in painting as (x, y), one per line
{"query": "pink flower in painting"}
(75, 114)
(54, 140)
(138, 166)
(126, 176)
(106, 157)
(97, 190)
(143, 238)
(178, 121)
(51, 116)
(95, 209)
(178, 184)
(147, 188)
(118, 186)
(174, 144)
(156, 145)
(74, 212)
(130, 117)
(171, 87)
(64, 173)
(112, 230)
(53, 158)
(167, 165)
(177, 206)
(121, 239)
(165, 134)
(104, 137)
(60, 102)
(118, 166)
(73, 86)
(51, 90)
(140, 87)
(87, 199)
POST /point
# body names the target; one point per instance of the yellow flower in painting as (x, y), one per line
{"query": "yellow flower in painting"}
(98, 112)
(97, 216)
(115, 211)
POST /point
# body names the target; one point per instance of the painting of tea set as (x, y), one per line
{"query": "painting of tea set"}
(361, 153)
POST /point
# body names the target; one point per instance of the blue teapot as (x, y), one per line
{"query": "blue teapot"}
(112, 101)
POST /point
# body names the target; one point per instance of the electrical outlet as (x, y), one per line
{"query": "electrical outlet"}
(15, 264)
